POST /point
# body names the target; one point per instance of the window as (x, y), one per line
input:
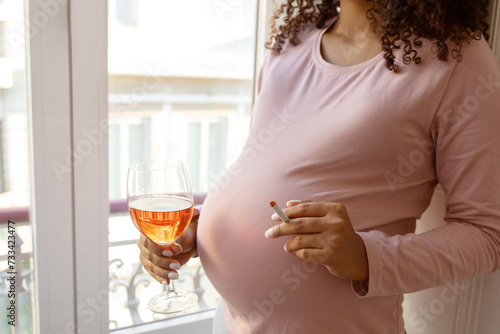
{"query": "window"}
(180, 85)
(126, 11)
(206, 143)
(17, 283)
(9, 64)
(2, 38)
(129, 141)
(55, 137)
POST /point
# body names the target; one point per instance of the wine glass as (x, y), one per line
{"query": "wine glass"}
(160, 203)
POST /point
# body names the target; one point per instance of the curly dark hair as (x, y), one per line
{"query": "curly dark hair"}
(440, 21)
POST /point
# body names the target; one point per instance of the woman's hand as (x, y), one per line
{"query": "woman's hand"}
(323, 233)
(162, 262)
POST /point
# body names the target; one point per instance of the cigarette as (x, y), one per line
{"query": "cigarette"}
(279, 212)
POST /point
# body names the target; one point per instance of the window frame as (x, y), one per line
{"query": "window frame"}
(2, 39)
(68, 103)
(51, 193)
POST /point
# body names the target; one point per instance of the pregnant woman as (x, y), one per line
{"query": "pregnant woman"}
(363, 108)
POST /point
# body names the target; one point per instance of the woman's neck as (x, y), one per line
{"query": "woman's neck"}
(352, 21)
(351, 40)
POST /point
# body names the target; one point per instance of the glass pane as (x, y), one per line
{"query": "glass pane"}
(138, 141)
(115, 184)
(181, 78)
(216, 150)
(16, 261)
(193, 153)
(126, 11)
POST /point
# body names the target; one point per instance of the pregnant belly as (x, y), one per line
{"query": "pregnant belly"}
(265, 288)
(237, 258)
(254, 275)
(241, 263)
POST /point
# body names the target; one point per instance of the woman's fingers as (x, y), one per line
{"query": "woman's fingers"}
(184, 243)
(302, 241)
(323, 233)
(160, 274)
(187, 241)
(289, 204)
(307, 208)
(151, 246)
(314, 209)
(162, 269)
(295, 202)
(158, 260)
(176, 248)
(295, 226)
(318, 255)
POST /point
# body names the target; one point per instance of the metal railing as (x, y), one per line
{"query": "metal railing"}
(190, 277)
(127, 280)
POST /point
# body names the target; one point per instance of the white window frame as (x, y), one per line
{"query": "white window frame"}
(67, 60)
(68, 103)
(52, 194)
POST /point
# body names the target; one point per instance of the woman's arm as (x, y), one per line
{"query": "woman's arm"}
(466, 136)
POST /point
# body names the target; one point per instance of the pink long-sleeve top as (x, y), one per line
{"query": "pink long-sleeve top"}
(379, 143)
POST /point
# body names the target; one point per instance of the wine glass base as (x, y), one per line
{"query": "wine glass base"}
(172, 301)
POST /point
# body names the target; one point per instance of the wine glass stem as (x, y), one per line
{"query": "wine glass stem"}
(171, 288)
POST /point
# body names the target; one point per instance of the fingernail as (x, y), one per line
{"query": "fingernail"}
(174, 266)
(173, 275)
(269, 233)
(167, 252)
(284, 247)
(275, 217)
(164, 282)
(292, 202)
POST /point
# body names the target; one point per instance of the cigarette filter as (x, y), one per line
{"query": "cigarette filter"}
(279, 212)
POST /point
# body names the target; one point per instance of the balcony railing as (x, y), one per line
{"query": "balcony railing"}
(130, 287)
